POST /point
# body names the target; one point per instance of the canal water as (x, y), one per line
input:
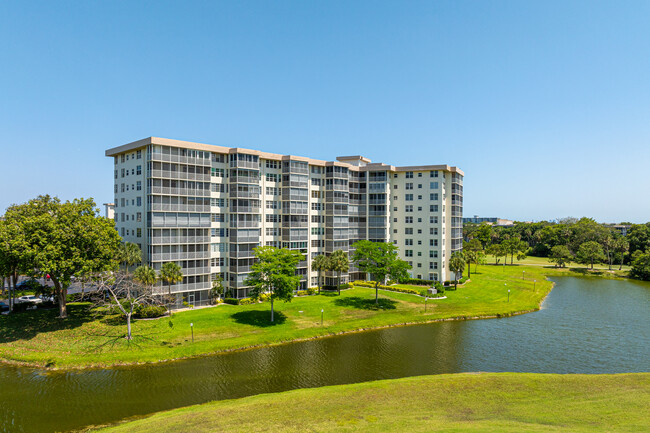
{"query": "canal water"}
(586, 325)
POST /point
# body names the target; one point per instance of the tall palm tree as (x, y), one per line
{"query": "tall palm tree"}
(171, 273)
(339, 263)
(457, 266)
(320, 263)
(129, 254)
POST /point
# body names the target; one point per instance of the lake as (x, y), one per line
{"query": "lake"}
(586, 325)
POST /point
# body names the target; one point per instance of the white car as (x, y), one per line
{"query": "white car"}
(30, 298)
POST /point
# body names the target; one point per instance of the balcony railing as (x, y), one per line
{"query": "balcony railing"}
(179, 207)
(180, 191)
(168, 174)
(160, 240)
(166, 257)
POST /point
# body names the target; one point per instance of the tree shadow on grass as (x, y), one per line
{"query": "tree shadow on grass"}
(366, 304)
(329, 294)
(260, 318)
(28, 324)
(586, 271)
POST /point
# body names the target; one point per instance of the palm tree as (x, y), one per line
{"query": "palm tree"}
(129, 254)
(457, 266)
(145, 275)
(171, 273)
(339, 263)
(320, 263)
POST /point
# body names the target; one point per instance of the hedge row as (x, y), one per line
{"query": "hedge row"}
(391, 288)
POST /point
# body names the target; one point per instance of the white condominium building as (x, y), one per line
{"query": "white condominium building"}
(207, 207)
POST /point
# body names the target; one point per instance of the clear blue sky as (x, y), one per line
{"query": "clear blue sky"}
(545, 105)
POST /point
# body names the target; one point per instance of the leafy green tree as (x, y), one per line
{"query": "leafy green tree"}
(641, 265)
(621, 247)
(339, 263)
(129, 254)
(484, 234)
(639, 237)
(608, 242)
(171, 273)
(320, 264)
(14, 252)
(66, 239)
(274, 273)
(145, 275)
(380, 260)
(497, 250)
(590, 252)
(560, 255)
(457, 266)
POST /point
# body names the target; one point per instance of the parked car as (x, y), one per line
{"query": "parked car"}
(3, 307)
(29, 298)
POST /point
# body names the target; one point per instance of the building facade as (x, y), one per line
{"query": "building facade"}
(207, 207)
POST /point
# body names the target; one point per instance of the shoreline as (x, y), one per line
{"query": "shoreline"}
(45, 368)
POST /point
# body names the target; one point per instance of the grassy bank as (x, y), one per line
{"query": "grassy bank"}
(495, 402)
(38, 338)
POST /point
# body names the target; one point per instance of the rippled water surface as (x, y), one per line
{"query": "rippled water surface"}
(585, 326)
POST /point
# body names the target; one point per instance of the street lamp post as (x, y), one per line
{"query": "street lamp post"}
(534, 285)
(192, 328)
(322, 311)
(523, 275)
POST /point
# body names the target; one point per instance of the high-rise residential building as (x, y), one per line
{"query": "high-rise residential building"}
(207, 207)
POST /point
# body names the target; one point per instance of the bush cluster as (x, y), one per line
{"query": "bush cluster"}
(417, 282)
(149, 311)
(242, 301)
(391, 288)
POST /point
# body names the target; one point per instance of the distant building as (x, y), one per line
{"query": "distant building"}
(109, 210)
(622, 228)
(490, 220)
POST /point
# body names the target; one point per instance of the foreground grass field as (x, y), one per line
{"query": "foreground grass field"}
(495, 402)
(38, 338)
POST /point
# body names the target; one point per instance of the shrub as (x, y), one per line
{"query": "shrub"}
(231, 301)
(390, 288)
(417, 282)
(264, 297)
(302, 293)
(346, 286)
(247, 301)
(312, 290)
(149, 311)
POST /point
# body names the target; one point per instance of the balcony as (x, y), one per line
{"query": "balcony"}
(179, 207)
(167, 257)
(169, 174)
(161, 240)
(180, 191)
(180, 159)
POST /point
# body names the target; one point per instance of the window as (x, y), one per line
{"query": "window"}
(138, 185)
(433, 174)
(419, 185)
(315, 194)
(419, 197)
(419, 243)
(394, 186)
(272, 231)
(408, 242)
(433, 185)
(123, 157)
(272, 177)
(433, 220)
(318, 230)
(220, 202)
(315, 182)
(395, 175)
(132, 171)
(115, 174)
(408, 220)
(218, 261)
(122, 172)
(271, 218)
(395, 208)
(138, 201)
(271, 190)
(139, 232)
(218, 218)
(419, 174)
(419, 231)
(433, 242)
(317, 206)
(218, 187)
(419, 220)
(408, 231)
(419, 266)
(395, 197)
(272, 164)
(138, 155)
(409, 175)
(408, 208)
(419, 208)
(433, 196)
(433, 208)
(116, 188)
(433, 254)
(394, 220)
(408, 197)
(217, 172)
(408, 253)
(123, 187)
(138, 217)
(409, 185)
(138, 170)
(270, 204)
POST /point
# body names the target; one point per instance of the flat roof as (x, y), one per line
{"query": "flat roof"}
(275, 156)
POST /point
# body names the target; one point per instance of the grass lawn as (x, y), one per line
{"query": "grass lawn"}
(39, 338)
(495, 402)
(543, 261)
